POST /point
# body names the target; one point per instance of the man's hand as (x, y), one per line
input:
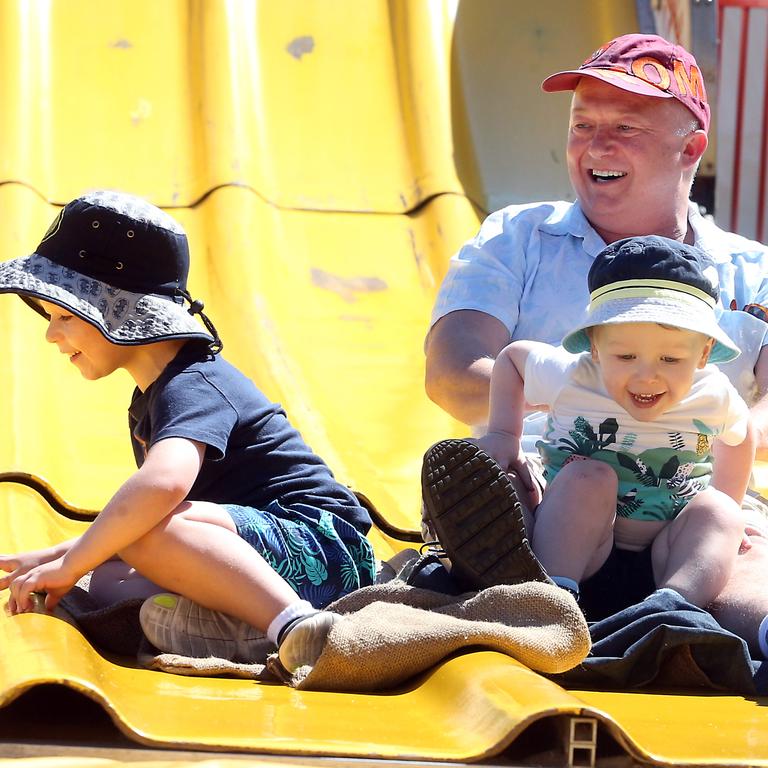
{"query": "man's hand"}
(53, 577)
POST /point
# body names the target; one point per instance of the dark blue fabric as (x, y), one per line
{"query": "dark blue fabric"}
(253, 457)
(430, 573)
(624, 579)
(666, 641)
(320, 555)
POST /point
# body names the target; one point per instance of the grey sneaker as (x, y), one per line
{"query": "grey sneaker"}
(174, 624)
(302, 641)
(473, 508)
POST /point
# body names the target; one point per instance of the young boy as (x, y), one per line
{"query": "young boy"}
(227, 496)
(647, 452)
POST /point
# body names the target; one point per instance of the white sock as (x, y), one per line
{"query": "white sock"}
(762, 637)
(286, 616)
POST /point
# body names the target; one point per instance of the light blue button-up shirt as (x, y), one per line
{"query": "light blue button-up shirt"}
(528, 265)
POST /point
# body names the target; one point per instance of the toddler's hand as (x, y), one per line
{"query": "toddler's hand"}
(508, 452)
(502, 447)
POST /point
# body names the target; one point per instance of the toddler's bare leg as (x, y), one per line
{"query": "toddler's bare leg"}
(695, 554)
(573, 532)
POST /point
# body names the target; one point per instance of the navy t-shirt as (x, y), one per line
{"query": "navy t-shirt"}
(253, 455)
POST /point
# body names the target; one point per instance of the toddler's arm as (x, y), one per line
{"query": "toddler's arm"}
(507, 409)
(732, 465)
(759, 410)
(148, 496)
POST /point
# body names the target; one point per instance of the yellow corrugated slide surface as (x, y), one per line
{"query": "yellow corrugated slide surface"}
(326, 158)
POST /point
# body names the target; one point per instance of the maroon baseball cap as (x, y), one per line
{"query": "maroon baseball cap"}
(644, 64)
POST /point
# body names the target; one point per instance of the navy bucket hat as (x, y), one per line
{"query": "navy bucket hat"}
(119, 263)
(654, 280)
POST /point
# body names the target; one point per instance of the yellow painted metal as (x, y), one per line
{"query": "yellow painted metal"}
(343, 108)
(322, 156)
(705, 729)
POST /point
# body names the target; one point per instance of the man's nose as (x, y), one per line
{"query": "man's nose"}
(601, 143)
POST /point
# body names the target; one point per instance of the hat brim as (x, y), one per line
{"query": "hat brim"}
(122, 317)
(569, 79)
(655, 310)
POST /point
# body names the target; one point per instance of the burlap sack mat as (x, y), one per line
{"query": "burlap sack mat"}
(391, 632)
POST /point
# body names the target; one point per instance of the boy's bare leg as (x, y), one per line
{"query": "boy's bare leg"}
(196, 552)
(696, 552)
(573, 531)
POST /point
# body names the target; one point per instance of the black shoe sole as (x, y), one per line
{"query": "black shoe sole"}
(474, 510)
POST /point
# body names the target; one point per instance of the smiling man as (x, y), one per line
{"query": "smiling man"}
(637, 131)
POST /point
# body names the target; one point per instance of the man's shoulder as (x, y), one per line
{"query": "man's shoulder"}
(542, 211)
(522, 220)
(720, 242)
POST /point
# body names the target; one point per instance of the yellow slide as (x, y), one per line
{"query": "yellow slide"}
(326, 158)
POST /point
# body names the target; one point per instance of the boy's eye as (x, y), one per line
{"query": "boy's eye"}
(626, 357)
(670, 359)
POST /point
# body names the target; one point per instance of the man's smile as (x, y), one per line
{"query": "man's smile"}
(601, 175)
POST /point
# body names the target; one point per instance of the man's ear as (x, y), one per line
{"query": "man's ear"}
(705, 353)
(694, 146)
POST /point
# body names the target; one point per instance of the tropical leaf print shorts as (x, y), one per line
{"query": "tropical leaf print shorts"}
(320, 555)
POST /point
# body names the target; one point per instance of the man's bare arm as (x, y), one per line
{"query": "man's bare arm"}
(461, 349)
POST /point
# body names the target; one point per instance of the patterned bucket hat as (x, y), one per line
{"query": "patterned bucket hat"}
(119, 263)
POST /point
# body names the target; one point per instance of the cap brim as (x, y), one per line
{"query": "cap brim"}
(630, 310)
(569, 79)
(122, 317)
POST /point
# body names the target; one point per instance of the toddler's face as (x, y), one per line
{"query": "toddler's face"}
(648, 368)
(94, 356)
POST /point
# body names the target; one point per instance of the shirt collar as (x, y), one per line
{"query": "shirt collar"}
(573, 222)
(707, 236)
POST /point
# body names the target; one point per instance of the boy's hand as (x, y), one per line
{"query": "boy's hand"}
(52, 577)
(18, 565)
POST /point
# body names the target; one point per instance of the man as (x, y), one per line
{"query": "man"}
(638, 128)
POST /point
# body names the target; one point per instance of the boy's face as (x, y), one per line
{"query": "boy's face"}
(94, 356)
(648, 368)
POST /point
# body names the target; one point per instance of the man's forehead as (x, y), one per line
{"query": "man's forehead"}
(590, 92)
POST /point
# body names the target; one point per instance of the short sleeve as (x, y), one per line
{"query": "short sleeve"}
(547, 370)
(736, 418)
(189, 406)
(488, 272)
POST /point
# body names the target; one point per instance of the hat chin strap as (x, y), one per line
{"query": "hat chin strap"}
(196, 307)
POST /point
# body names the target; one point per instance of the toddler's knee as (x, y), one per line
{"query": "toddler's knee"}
(718, 511)
(593, 475)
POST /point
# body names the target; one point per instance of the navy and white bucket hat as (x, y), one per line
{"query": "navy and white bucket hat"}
(654, 280)
(119, 263)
